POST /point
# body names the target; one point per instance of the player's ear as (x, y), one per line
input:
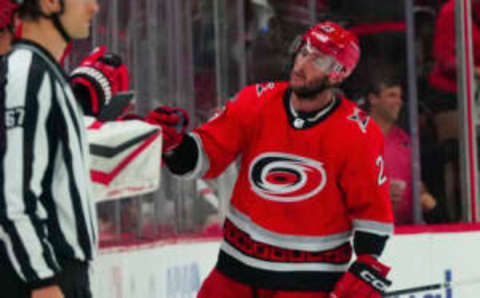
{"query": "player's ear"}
(50, 6)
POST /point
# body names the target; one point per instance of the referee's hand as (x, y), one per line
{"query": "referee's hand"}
(48, 292)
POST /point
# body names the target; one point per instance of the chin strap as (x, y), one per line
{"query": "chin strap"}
(55, 17)
(56, 21)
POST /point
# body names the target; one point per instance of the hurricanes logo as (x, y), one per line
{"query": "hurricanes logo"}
(285, 177)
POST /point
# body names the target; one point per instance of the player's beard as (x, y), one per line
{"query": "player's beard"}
(309, 91)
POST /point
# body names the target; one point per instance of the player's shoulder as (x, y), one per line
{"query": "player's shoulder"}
(17, 61)
(23, 63)
(37, 60)
(358, 123)
(17, 70)
(262, 91)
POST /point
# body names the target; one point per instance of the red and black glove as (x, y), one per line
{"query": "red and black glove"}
(98, 78)
(174, 123)
(366, 278)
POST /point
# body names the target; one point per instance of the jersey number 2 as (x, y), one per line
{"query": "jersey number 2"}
(381, 173)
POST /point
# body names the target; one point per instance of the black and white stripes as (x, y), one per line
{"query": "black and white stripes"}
(46, 209)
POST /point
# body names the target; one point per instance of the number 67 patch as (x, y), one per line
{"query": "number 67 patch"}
(14, 117)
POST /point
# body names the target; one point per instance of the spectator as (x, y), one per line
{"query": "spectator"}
(384, 104)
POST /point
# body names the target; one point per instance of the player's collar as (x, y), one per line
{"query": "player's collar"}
(307, 120)
(42, 52)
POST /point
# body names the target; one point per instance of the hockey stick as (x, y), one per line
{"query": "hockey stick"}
(116, 106)
(417, 289)
(431, 287)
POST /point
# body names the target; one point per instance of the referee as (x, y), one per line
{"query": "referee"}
(48, 229)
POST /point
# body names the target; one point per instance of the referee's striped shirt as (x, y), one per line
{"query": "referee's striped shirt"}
(46, 209)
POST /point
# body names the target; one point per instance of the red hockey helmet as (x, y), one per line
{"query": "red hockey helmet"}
(7, 8)
(337, 42)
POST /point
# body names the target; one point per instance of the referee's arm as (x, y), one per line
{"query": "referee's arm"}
(25, 157)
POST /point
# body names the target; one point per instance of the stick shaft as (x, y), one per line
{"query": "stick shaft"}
(414, 290)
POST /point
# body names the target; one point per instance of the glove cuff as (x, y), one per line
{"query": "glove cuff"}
(374, 263)
(97, 79)
(371, 274)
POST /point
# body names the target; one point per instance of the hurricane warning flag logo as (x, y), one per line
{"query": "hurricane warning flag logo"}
(285, 177)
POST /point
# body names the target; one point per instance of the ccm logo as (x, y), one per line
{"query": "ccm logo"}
(373, 280)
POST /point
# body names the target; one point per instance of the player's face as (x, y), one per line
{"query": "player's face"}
(78, 16)
(309, 75)
(388, 103)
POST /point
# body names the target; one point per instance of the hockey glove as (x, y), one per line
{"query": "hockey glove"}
(174, 123)
(98, 78)
(366, 278)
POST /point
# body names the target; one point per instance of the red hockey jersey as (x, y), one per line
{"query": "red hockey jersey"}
(304, 186)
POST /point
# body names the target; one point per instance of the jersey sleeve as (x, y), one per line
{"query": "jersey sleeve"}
(220, 141)
(367, 192)
(26, 99)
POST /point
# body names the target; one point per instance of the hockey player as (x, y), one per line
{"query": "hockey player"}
(48, 224)
(311, 180)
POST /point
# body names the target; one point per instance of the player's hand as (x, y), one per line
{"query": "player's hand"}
(48, 292)
(428, 201)
(99, 77)
(397, 189)
(366, 278)
(174, 123)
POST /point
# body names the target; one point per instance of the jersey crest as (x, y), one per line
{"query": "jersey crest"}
(262, 87)
(361, 118)
(285, 177)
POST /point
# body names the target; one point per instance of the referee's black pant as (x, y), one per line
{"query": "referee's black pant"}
(73, 280)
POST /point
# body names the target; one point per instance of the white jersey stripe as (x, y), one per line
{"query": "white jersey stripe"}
(62, 189)
(41, 140)
(373, 227)
(306, 243)
(203, 163)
